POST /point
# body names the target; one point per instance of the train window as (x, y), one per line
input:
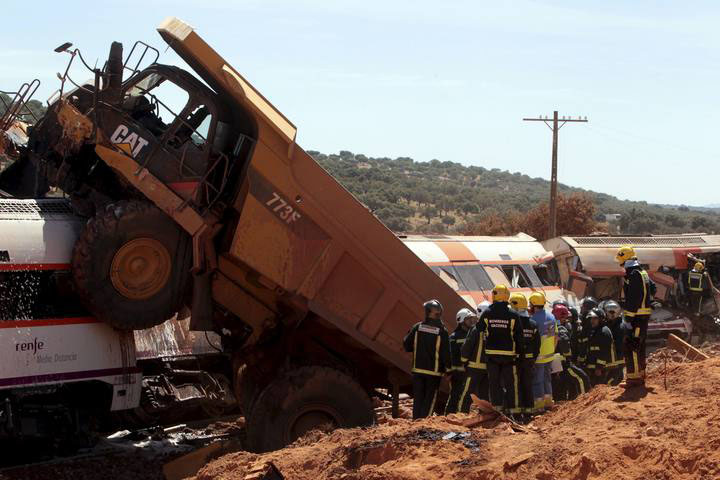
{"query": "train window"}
(449, 276)
(30, 295)
(496, 274)
(548, 273)
(532, 276)
(474, 277)
(518, 278)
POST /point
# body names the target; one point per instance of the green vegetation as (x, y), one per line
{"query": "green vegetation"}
(35, 106)
(447, 197)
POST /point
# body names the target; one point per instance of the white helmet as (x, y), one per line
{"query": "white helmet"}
(482, 306)
(462, 314)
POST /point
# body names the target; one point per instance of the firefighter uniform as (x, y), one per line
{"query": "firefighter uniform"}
(458, 376)
(531, 347)
(638, 290)
(618, 332)
(601, 354)
(430, 344)
(573, 380)
(472, 355)
(584, 331)
(503, 345)
(698, 287)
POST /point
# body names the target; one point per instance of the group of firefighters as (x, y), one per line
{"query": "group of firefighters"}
(522, 357)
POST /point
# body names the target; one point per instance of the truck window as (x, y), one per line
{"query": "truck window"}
(30, 295)
(474, 277)
(155, 103)
(496, 274)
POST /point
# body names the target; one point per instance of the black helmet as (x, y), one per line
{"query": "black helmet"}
(599, 312)
(431, 304)
(588, 303)
(574, 313)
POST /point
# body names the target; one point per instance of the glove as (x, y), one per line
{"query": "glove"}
(655, 305)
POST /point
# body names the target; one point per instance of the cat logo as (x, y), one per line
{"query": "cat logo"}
(129, 142)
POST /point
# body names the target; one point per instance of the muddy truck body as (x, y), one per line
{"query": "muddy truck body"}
(213, 205)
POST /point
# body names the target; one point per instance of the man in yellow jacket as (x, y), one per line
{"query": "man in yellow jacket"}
(548, 328)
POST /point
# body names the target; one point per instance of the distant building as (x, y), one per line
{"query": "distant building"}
(612, 217)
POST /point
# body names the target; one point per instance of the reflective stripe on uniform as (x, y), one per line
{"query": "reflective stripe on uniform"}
(437, 354)
(464, 393)
(499, 352)
(517, 390)
(579, 380)
(696, 278)
(426, 372)
(643, 309)
(432, 405)
(414, 349)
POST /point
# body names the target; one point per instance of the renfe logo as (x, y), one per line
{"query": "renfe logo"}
(123, 137)
(33, 346)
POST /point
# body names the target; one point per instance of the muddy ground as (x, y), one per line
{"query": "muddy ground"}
(669, 431)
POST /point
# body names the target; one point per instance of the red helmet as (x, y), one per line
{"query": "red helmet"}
(561, 312)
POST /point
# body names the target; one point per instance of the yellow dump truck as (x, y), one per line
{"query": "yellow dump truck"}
(197, 195)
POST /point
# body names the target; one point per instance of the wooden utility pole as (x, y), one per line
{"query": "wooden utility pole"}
(557, 124)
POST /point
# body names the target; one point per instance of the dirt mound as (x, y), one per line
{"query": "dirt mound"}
(607, 433)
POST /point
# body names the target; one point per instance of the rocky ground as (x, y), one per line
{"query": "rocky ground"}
(669, 431)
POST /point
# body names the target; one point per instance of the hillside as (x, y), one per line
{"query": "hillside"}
(435, 196)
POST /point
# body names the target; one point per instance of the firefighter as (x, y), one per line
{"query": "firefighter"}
(429, 343)
(542, 374)
(584, 330)
(459, 381)
(601, 349)
(503, 345)
(525, 364)
(698, 287)
(614, 321)
(472, 355)
(573, 329)
(572, 381)
(638, 290)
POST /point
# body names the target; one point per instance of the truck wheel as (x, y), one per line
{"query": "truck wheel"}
(302, 400)
(131, 265)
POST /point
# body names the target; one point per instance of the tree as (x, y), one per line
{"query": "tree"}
(448, 220)
(575, 216)
(429, 213)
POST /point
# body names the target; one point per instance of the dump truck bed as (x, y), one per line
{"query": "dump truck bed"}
(299, 228)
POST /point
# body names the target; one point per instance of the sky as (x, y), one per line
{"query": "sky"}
(447, 80)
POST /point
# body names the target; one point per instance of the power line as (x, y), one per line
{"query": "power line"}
(557, 124)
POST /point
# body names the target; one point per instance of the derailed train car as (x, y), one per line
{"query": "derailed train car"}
(63, 372)
(473, 265)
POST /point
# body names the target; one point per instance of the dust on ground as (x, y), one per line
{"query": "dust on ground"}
(608, 433)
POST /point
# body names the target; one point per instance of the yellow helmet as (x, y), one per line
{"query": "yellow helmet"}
(500, 293)
(699, 266)
(624, 253)
(518, 301)
(537, 299)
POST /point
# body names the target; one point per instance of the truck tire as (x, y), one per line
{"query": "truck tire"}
(302, 400)
(131, 265)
